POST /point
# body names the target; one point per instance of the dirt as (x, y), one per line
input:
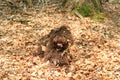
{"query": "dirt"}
(112, 11)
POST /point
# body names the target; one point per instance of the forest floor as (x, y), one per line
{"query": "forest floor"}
(96, 48)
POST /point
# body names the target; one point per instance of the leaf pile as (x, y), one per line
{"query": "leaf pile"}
(96, 49)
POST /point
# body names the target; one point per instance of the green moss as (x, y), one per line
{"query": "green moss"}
(85, 10)
(98, 17)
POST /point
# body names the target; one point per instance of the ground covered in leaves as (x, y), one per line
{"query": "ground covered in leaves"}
(96, 48)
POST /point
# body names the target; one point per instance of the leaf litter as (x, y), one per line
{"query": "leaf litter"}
(96, 49)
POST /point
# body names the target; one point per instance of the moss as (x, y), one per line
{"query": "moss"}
(85, 10)
(98, 17)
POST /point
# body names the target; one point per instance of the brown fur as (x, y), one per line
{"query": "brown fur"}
(59, 41)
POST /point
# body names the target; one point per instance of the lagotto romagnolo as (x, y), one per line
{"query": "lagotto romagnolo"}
(59, 41)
